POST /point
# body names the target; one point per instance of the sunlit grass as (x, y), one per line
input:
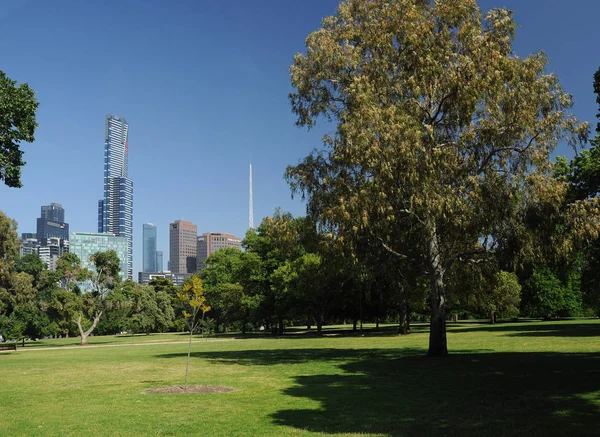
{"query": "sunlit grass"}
(509, 379)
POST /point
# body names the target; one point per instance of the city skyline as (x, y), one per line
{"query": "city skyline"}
(197, 122)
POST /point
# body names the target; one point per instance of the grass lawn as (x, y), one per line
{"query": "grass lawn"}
(533, 379)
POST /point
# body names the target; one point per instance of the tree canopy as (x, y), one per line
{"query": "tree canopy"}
(17, 123)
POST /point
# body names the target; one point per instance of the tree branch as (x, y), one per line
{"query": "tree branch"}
(390, 250)
(467, 257)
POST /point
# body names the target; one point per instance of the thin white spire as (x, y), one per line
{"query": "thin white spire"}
(250, 204)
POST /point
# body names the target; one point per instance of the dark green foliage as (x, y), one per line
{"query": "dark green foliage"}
(17, 123)
(31, 264)
(148, 310)
(545, 295)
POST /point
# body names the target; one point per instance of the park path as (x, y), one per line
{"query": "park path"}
(93, 346)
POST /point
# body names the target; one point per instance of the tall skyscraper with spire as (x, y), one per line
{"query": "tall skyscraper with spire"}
(115, 210)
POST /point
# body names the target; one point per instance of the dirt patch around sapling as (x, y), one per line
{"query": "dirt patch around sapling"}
(191, 390)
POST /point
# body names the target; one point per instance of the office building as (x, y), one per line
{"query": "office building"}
(115, 210)
(54, 212)
(29, 246)
(51, 223)
(210, 242)
(182, 246)
(28, 236)
(149, 247)
(52, 250)
(85, 244)
(159, 261)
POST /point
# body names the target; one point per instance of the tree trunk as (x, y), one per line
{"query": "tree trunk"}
(377, 323)
(244, 327)
(281, 327)
(187, 363)
(403, 327)
(84, 334)
(438, 346)
(492, 317)
(354, 324)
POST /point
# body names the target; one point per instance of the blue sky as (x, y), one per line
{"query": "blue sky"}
(203, 85)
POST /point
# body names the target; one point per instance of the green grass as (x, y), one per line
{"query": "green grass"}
(534, 379)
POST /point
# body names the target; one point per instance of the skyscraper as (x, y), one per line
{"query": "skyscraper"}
(115, 211)
(159, 261)
(182, 246)
(149, 247)
(54, 212)
(51, 223)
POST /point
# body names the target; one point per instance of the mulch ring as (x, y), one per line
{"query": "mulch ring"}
(191, 390)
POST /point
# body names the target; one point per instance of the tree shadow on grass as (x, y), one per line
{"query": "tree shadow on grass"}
(302, 333)
(400, 393)
(270, 357)
(540, 329)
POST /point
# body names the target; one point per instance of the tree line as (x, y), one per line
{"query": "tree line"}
(289, 274)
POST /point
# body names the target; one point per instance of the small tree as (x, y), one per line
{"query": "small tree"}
(505, 295)
(104, 279)
(192, 298)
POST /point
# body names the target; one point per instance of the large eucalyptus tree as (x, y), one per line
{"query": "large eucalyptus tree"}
(442, 134)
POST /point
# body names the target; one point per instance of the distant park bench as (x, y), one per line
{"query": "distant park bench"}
(8, 346)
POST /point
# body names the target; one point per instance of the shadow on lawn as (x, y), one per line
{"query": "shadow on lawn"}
(539, 329)
(399, 392)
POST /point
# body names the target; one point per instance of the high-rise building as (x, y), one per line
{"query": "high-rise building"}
(51, 224)
(115, 210)
(85, 244)
(159, 261)
(210, 242)
(29, 246)
(52, 250)
(149, 247)
(182, 246)
(54, 212)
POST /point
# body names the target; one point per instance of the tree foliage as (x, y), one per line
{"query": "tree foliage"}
(17, 123)
(441, 133)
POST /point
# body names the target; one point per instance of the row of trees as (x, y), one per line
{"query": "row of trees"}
(288, 274)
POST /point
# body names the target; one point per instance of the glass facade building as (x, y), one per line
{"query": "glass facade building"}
(115, 210)
(149, 247)
(159, 261)
(51, 224)
(85, 244)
